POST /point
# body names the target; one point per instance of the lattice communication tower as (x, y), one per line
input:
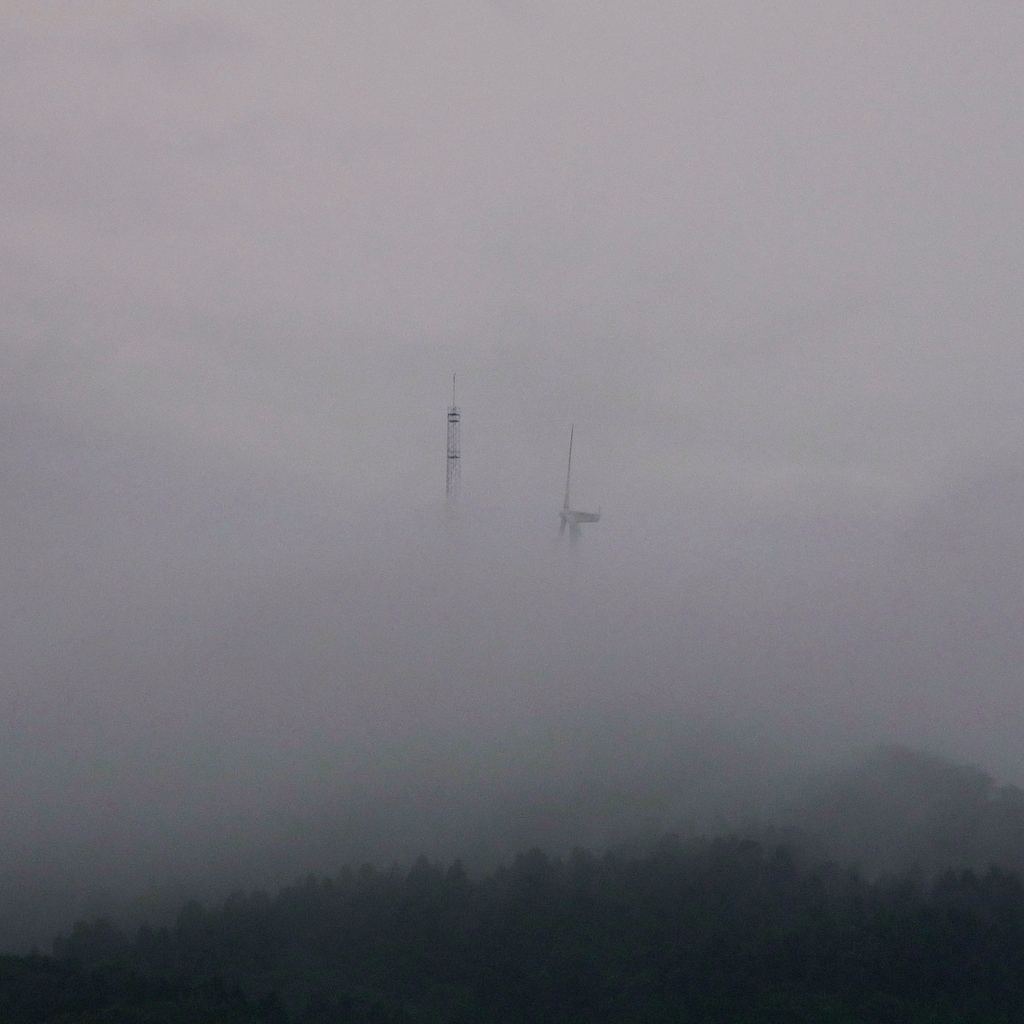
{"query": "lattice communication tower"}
(454, 445)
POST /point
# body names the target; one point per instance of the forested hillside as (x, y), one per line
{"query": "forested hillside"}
(715, 931)
(897, 809)
(37, 989)
(888, 891)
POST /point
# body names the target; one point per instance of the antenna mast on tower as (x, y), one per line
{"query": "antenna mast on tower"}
(454, 454)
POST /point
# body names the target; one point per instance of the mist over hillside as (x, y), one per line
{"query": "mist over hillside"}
(765, 257)
(620, 782)
(469, 688)
(899, 809)
(594, 782)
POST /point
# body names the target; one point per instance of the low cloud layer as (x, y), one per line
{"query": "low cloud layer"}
(768, 261)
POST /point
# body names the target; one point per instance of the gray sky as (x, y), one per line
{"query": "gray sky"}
(768, 257)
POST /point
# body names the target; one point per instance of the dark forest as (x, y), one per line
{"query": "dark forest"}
(774, 927)
(715, 931)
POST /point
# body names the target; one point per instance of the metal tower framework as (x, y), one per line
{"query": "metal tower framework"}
(454, 448)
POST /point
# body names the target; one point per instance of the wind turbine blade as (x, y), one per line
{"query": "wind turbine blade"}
(568, 471)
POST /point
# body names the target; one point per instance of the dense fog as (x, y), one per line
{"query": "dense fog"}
(768, 261)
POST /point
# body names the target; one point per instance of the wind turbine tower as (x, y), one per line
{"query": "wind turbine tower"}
(573, 517)
(454, 446)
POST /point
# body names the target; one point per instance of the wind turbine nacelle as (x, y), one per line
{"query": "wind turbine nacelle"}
(574, 518)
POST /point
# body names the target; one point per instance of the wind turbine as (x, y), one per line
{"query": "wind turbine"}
(573, 517)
